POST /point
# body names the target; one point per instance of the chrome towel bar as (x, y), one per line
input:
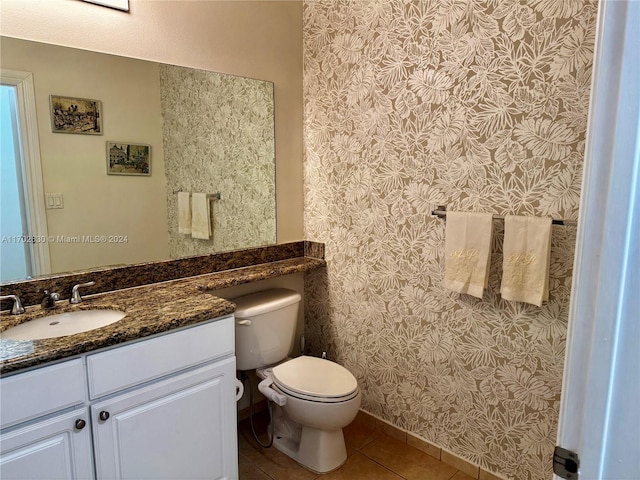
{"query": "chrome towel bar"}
(441, 211)
(210, 196)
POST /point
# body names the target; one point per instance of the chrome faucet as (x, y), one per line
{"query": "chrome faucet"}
(17, 304)
(49, 300)
(75, 294)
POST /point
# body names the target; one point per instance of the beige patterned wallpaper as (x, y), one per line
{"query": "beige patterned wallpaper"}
(218, 136)
(477, 105)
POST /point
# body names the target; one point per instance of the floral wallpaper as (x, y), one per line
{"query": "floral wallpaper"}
(478, 105)
(218, 136)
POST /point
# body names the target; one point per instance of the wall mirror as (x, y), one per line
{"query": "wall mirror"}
(111, 196)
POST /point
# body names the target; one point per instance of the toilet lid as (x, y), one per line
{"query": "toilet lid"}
(315, 379)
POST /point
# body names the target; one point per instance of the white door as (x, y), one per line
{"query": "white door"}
(181, 428)
(57, 448)
(599, 416)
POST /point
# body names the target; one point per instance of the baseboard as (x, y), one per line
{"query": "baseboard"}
(471, 469)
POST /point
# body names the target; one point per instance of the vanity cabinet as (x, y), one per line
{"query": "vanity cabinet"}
(161, 408)
(48, 449)
(174, 429)
(37, 441)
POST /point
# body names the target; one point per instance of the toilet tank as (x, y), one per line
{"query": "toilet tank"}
(265, 327)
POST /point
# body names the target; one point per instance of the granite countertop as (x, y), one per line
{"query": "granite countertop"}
(149, 310)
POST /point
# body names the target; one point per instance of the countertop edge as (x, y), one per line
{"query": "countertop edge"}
(150, 309)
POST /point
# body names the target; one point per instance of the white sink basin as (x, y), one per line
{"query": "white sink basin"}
(62, 324)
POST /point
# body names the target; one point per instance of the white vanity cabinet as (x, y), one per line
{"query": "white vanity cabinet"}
(161, 408)
(49, 449)
(174, 429)
(37, 441)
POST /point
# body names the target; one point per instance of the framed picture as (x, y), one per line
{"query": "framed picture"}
(117, 4)
(128, 159)
(76, 115)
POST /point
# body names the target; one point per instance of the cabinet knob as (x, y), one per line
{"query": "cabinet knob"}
(104, 416)
(80, 424)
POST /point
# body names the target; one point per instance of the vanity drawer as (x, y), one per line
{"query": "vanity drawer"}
(131, 365)
(29, 395)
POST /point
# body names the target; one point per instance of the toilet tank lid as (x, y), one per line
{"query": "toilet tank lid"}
(258, 303)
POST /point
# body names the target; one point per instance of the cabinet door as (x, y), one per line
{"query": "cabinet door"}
(52, 448)
(183, 428)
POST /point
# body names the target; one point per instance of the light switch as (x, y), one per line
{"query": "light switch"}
(54, 200)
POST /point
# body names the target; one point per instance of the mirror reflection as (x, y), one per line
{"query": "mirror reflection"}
(111, 197)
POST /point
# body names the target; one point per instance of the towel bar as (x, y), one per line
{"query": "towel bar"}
(441, 211)
(210, 196)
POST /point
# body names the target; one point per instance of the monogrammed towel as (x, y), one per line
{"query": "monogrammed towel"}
(467, 249)
(527, 253)
(201, 216)
(184, 212)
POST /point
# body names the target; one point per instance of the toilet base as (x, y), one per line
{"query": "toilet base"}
(318, 450)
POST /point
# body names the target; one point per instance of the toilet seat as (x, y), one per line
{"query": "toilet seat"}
(315, 379)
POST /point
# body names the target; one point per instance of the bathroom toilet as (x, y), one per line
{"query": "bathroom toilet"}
(314, 398)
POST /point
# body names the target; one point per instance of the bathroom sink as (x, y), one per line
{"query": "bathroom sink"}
(62, 324)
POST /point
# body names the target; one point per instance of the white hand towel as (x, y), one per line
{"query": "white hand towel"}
(184, 212)
(467, 249)
(527, 253)
(201, 218)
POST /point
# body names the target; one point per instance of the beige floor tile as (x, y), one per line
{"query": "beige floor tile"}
(359, 433)
(462, 476)
(271, 461)
(460, 463)
(424, 446)
(486, 475)
(372, 455)
(391, 430)
(367, 418)
(407, 461)
(359, 467)
(248, 471)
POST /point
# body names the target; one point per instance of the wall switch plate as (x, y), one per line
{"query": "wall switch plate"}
(54, 200)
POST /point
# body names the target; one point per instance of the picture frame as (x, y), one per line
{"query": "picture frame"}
(125, 158)
(75, 115)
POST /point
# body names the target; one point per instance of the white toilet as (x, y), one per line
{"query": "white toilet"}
(314, 398)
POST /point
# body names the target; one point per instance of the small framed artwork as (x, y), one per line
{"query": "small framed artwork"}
(76, 115)
(128, 159)
(117, 4)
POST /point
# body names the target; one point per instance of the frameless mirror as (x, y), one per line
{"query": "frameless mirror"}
(119, 138)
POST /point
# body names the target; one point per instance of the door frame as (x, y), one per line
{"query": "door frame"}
(31, 164)
(599, 417)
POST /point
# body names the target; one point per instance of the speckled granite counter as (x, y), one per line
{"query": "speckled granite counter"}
(125, 276)
(149, 309)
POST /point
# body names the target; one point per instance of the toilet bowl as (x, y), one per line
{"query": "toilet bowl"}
(314, 398)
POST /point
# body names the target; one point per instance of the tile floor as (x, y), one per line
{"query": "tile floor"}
(371, 454)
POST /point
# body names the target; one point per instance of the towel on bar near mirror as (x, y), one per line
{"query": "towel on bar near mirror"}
(467, 249)
(200, 216)
(184, 212)
(525, 265)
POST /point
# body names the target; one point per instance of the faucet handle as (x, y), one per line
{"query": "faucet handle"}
(17, 304)
(49, 300)
(75, 294)
(52, 295)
